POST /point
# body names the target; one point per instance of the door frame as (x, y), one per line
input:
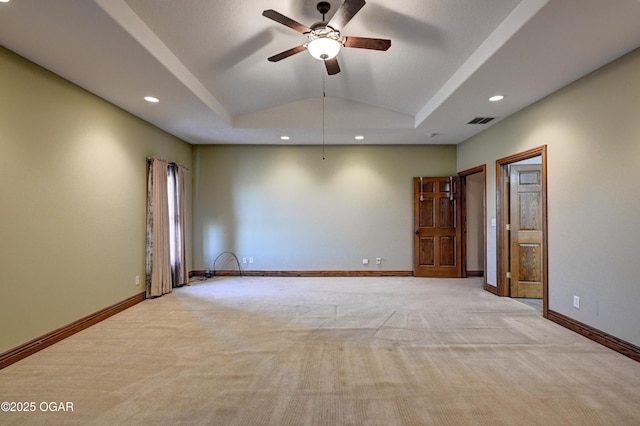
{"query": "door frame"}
(502, 217)
(463, 197)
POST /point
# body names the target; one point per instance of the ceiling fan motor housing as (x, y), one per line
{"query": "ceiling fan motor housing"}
(322, 30)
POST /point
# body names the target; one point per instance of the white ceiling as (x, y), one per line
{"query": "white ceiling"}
(207, 62)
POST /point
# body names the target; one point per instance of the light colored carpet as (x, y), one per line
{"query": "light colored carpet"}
(327, 351)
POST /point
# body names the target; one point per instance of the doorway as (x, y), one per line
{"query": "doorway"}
(473, 188)
(522, 253)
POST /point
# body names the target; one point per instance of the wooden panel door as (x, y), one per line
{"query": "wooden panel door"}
(437, 239)
(526, 257)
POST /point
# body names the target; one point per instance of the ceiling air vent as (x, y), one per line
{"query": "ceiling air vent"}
(481, 120)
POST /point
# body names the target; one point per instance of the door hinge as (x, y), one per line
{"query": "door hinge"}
(508, 227)
(508, 275)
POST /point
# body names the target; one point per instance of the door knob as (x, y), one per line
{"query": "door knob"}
(417, 232)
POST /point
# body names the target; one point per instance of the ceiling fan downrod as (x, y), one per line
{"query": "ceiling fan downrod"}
(323, 7)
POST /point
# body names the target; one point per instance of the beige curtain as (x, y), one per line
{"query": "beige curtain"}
(158, 266)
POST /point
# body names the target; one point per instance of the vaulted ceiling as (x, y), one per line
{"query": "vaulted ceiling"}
(206, 60)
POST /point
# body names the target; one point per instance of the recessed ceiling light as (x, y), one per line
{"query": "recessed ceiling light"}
(5, 1)
(285, 138)
(359, 137)
(496, 98)
(151, 99)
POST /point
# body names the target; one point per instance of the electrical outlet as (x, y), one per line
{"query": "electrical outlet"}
(251, 260)
(365, 261)
(137, 279)
(378, 260)
(244, 260)
(576, 302)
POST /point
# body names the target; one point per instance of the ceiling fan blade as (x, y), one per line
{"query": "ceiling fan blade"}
(282, 55)
(280, 18)
(344, 14)
(332, 66)
(367, 43)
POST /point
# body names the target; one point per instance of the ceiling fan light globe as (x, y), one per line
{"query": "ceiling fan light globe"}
(324, 48)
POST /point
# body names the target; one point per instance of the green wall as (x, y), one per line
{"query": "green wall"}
(592, 132)
(290, 210)
(73, 187)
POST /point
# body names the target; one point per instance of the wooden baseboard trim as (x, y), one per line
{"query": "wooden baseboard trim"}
(475, 273)
(625, 348)
(29, 348)
(306, 273)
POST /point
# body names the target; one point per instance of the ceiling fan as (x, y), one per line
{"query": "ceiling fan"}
(324, 37)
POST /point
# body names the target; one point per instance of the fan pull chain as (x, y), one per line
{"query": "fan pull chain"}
(324, 95)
